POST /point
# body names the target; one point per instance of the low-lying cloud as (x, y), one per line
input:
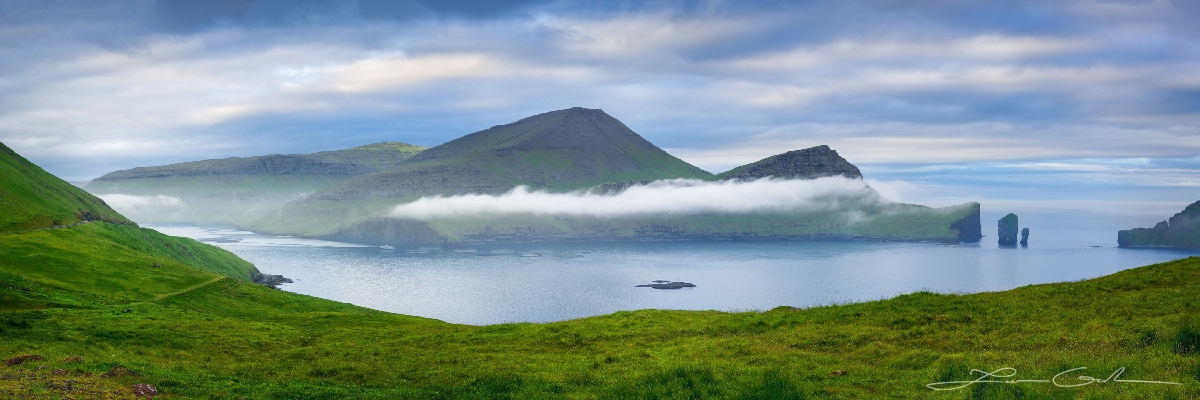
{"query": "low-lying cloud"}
(144, 208)
(675, 196)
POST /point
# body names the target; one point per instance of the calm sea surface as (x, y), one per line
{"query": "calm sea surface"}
(538, 283)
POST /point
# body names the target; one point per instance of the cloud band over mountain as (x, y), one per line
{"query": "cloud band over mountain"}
(676, 196)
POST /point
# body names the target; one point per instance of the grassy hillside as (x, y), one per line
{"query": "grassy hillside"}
(198, 335)
(239, 190)
(31, 198)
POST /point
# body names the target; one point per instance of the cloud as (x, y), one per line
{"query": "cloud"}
(91, 87)
(145, 208)
(677, 196)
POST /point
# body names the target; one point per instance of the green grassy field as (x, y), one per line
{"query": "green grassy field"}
(194, 328)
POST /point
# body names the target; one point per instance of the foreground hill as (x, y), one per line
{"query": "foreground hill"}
(195, 337)
(239, 190)
(1181, 230)
(31, 198)
(54, 229)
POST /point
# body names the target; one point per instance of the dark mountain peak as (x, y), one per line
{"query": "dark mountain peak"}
(810, 163)
(570, 147)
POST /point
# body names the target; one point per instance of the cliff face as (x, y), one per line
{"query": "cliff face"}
(1182, 230)
(1006, 230)
(969, 228)
(810, 163)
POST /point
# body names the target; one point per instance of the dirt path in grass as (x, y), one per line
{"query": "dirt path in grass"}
(191, 288)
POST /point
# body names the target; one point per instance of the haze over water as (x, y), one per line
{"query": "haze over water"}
(553, 282)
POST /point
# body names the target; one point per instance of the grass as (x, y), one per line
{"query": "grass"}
(31, 198)
(194, 334)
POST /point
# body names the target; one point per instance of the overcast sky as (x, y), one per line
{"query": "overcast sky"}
(1081, 104)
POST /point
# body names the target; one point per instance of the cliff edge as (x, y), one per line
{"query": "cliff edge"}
(1181, 230)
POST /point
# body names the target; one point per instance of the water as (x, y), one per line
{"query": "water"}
(539, 283)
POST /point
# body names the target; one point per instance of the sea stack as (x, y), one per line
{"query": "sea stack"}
(1006, 230)
(1024, 237)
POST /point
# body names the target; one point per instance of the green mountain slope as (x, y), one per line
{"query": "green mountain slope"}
(75, 254)
(1181, 230)
(31, 198)
(556, 151)
(239, 190)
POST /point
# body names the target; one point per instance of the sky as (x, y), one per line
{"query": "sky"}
(1036, 107)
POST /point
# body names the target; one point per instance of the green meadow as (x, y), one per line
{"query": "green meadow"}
(89, 299)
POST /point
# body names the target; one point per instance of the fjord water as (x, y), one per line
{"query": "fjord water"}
(553, 282)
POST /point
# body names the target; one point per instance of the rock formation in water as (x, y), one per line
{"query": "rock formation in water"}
(1181, 230)
(1024, 236)
(1006, 230)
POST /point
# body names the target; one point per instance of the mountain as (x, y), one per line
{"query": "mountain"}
(556, 151)
(584, 153)
(1181, 230)
(239, 190)
(810, 163)
(31, 198)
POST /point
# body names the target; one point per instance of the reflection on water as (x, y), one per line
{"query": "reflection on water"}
(551, 282)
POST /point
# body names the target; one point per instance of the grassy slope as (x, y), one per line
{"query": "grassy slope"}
(31, 198)
(223, 338)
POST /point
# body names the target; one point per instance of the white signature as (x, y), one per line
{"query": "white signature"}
(1062, 379)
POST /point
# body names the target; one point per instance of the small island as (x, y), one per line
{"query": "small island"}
(667, 285)
(1179, 231)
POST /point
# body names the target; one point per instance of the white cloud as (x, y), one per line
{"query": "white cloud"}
(982, 48)
(642, 35)
(678, 196)
(145, 208)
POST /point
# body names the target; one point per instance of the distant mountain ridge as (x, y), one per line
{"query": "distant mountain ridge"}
(239, 190)
(353, 161)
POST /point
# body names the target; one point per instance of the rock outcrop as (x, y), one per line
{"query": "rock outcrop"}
(1024, 236)
(271, 281)
(1181, 230)
(811, 163)
(1006, 230)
